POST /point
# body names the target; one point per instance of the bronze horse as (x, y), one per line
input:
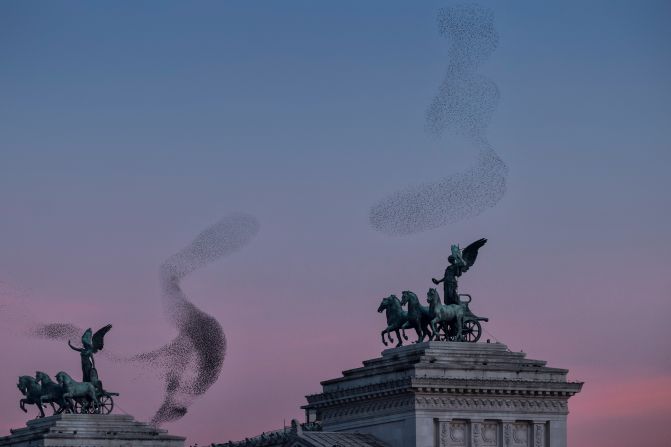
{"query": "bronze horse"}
(444, 315)
(419, 317)
(30, 388)
(396, 318)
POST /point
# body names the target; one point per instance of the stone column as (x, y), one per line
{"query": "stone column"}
(443, 433)
(538, 434)
(476, 433)
(507, 433)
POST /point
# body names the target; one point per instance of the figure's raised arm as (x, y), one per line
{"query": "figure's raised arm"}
(437, 281)
(74, 348)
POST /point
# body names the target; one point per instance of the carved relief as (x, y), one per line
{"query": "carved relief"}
(457, 403)
(490, 434)
(476, 434)
(457, 433)
(507, 429)
(365, 409)
(520, 432)
(539, 435)
(444, 441)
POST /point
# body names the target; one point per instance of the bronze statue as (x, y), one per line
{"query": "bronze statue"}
(396, 318)
(52, 392)
(30, 388)
(419, 317)
(82, 392)
(87, 396)
(452, 321)
(444, 315)
(460, 261)
(91, 343)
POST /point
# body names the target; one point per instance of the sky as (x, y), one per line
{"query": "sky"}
(126, 128)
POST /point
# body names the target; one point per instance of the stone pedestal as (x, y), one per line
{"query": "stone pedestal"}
(89, 430)
(446, 394)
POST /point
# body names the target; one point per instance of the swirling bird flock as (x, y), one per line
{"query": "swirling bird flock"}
(191, 363)
(464, 105)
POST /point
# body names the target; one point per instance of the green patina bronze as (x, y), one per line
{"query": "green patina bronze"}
(66, 394)
(460, 261)
(451, 321)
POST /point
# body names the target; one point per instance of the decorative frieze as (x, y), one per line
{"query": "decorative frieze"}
(520, 431)
(539, 435)
(367, 409)
(490, 434)
(476, 434)
(447, 403)
(536, 405)
(444, 434)
(458, 434)
(494, 388)
(507, 434)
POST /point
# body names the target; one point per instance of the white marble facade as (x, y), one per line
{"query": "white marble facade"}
(449, 394)
(490, 433)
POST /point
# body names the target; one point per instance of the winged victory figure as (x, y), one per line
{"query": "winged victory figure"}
(460, 261)
(91, 343)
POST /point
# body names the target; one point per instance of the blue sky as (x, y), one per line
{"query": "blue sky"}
(128, 127)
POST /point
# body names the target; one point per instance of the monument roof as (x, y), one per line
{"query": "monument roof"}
(305, 435)
(329, 439)
(446, 368)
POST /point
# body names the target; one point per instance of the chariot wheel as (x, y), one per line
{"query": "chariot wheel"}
(472, 331)
(80, 408)
(106, 404)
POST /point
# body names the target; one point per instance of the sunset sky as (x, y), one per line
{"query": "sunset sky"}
(128, 127)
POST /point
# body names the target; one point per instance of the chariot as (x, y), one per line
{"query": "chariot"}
(471, 330)
(105, 399)
(66, 395)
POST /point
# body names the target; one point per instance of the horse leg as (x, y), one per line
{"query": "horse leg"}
(383, 340)
(433, 327)
(389, 329)
(404, 327)
(22, 405)
(94, 399)
(459, 322)
(400, 340)
(68, 401)
(420, 334)
(426, 332)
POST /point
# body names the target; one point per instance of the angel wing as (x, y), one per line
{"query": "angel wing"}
(86, 338)
(99, 336)
(470, 253)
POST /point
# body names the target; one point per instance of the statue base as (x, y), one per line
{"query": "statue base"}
(90, 430)
(446, 394)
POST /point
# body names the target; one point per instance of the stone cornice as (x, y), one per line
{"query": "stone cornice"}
(450, 386)
(470, 404)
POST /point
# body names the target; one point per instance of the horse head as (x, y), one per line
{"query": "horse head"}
(408, 297)
(63, 378)
(42, 377)
(389, 303)
(384, 304)
(432, 296)
(23, 384)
